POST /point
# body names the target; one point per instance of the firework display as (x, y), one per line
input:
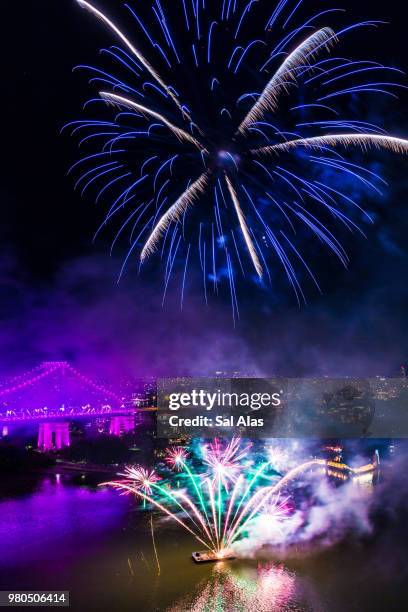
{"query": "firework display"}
(204, 381)
(226, 175)
(217, 507)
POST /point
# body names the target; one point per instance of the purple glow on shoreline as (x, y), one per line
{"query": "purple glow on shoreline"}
(33, 528)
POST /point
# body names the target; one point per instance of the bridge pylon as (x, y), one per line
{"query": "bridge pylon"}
(120, 425)
(53, 435)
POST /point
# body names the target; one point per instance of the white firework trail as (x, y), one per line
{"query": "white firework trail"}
(122, 101)
(365, 141)
(174, 213)
(92, 9)
(244, 228)
(268, 100)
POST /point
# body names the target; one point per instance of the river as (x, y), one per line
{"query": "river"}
(64, 532)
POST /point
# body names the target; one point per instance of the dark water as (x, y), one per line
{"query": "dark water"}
(61, 533)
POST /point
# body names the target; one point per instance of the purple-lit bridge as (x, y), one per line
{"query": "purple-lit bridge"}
(55, 393)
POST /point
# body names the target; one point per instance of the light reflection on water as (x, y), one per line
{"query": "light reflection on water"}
(268, 587)
(53, 515)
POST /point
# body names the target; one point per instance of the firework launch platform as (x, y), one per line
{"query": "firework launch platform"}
(207, 556)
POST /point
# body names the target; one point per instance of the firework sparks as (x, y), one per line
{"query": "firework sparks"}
(89, 7)
(244, 228)
(275, 513)
(141, 479)
(364, 141)
(197, 181)
(154, 546)
(174, 213)
(287, 72)
(278, 457)
(122, 101)
(176, 457)
(213, 512)
(224, 461)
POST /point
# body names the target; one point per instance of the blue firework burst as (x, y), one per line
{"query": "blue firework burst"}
(214, 120)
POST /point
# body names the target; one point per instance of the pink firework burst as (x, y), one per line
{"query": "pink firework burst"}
(141, 478)
(224, 461)
(176, 457)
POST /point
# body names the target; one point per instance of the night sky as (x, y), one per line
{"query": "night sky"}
(59, 297)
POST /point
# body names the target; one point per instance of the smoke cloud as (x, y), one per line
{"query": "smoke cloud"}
(330, 515)
(321, 522)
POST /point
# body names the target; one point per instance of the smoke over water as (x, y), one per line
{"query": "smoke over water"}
(324, 519)
(320, 514)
